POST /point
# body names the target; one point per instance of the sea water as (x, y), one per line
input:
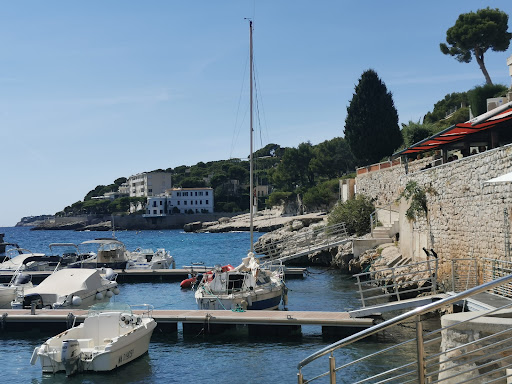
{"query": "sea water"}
(233, 357)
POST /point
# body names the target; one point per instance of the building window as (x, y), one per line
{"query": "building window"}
(150, 190)
(161, 202)
(185, 202)
(161, 212)
(206, 193)
(200, 193)
(178, 193)
(178, 202)
(154, 211)
(201, 202)
(191, 202)
(206, 201)
(154, 203)
(196, 193)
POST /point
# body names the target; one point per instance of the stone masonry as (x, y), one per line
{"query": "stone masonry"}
(467, 217)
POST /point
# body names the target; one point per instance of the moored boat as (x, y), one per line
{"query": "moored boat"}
(78, 288)
(250, 285)
(110, 336)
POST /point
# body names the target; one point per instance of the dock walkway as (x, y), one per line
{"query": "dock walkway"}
(145, 275)
(195, 321)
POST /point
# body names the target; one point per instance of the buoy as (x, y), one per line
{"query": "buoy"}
(99, 296)
(109, 294)
(76, 301)
(116, 291)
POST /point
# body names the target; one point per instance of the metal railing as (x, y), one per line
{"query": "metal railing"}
(397, 282)
(427, 357)
(374, 216)
(302, 243)
(468, 273)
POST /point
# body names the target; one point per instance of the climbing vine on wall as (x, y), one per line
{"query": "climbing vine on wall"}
(417, 196)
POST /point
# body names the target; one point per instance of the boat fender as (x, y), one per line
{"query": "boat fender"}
(116, 291)
(35, 355)
(110, 274)
(99, 296)
(109, 293)
(76, 300)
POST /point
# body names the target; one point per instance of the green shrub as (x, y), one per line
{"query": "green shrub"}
(323, 194)
(478, 96)
(354, 213)
(277, 198)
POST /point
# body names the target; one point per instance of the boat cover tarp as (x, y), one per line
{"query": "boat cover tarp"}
(68, 281)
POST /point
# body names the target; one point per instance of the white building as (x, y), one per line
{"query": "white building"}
(148, 184)
(181, 200)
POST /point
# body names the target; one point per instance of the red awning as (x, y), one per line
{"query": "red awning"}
(459, 131)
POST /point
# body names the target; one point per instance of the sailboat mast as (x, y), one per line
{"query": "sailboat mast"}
(251, 182)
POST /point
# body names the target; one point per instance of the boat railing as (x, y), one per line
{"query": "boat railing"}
(398, 282)
(429, 356)
(146, 310)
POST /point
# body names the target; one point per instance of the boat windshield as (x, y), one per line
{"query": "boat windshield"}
(96, 309)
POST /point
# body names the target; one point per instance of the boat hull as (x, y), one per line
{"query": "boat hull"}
(258, 301)
(7, 295)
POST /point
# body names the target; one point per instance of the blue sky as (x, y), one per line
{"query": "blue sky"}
(95, 90)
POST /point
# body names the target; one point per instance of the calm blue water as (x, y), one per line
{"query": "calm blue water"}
(178, 358)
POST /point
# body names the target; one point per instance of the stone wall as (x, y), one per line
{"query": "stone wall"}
(467, 217)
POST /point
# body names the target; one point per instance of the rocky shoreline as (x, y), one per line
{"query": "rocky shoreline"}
(264, 221)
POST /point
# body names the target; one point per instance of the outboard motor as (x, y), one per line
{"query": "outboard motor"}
(199, 278)
(70, 355)
(33, 298)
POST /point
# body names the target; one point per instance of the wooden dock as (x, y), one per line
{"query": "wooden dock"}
(144, 275)
(280, 323)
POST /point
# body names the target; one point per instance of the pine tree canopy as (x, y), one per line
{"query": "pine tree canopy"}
(371, 125)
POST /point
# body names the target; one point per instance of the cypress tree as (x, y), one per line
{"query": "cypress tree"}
(371, 125)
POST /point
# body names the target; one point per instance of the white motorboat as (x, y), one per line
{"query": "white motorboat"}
(20, 259)
(108, 338)
(77, 288)
(112, 253)
(108, 253)
(250, 285)
(148, 259)
(69, 253)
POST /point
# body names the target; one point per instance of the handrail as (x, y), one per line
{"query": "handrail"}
(301, 242)
(374, 214)
(402, 318)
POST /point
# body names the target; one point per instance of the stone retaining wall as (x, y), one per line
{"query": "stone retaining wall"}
(467, 217)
